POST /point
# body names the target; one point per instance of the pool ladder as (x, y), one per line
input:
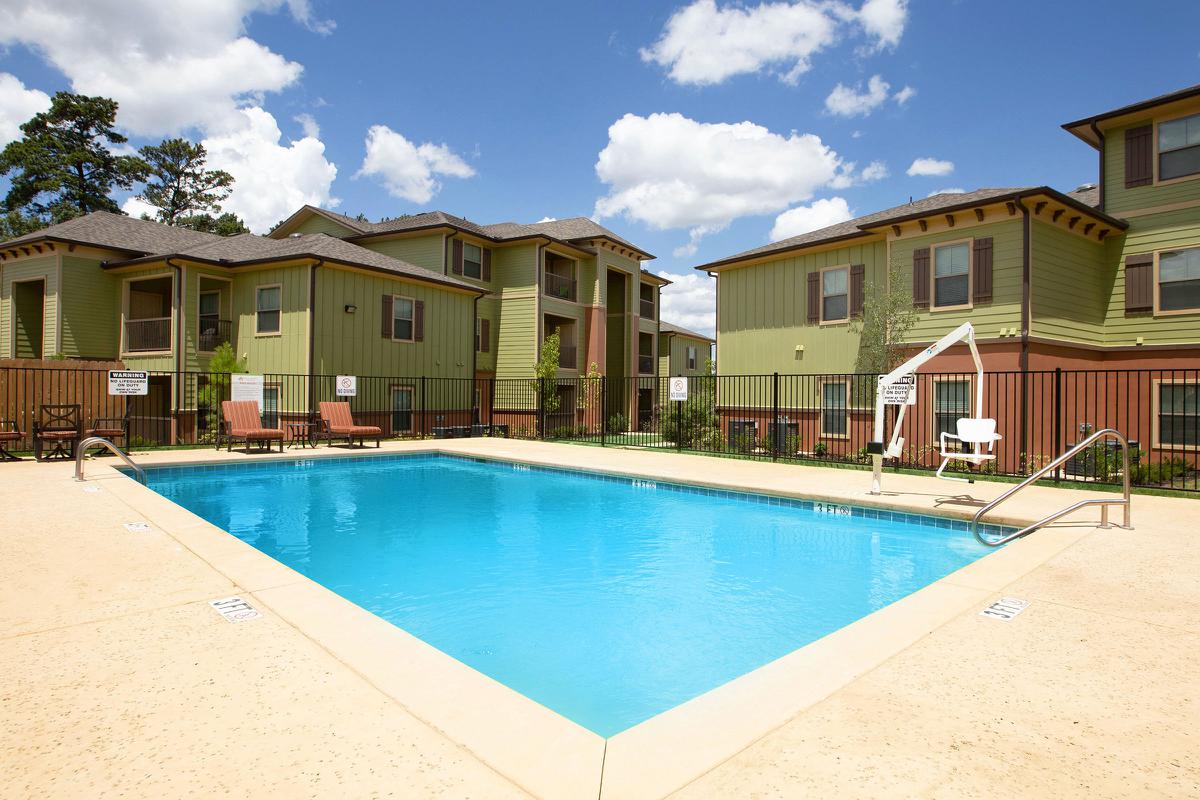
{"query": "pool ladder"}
(92, 441)
(1103, 502)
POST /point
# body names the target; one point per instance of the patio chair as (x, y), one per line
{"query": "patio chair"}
(243, 422)
(12, 434)
(57, 426)
(339, 423)
(111, 428)
(978, 433)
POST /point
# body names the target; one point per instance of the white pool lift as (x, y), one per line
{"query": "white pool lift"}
(976, 431)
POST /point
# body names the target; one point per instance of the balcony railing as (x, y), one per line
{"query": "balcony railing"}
(560, 286)
(213, 332)
(144, 335)
(567, 356)
(647, 309)
(645, 365)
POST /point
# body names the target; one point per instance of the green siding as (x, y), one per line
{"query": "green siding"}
(1148, 234)
(287, 351)
(514, 267)
(45, 268)
(1118, 199)
(166, 361)
(516, 346)
(489, 309)
(353, 344)
(193, 358)
(91, 310)
(561, 308)
(319, 224)
(672, 358)
(1071, 279)
(762, 315)
(423, 251)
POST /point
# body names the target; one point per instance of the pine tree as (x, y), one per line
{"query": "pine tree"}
(179, 184)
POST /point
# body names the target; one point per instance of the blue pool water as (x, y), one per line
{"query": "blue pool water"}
(605, 599)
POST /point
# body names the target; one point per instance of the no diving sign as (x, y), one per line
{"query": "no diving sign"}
(347, 385)
(677, 389)
(128, 382)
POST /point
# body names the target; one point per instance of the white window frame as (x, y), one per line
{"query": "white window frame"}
(1156, 419)
(412, 320)
(258, 331)
(844, 408)
(412, 396)
(1158, 180)
(278, 390)
(933, 406)
(691, 356)
(1158, 310)
(479, 274)
(821, 285)
(933, 304)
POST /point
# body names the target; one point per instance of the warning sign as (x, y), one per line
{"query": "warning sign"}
(125, 382)
(901, 393)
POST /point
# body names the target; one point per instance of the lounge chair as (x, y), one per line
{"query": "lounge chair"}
(243, 422)
(339, 422)
(57, 426)
(111, 428)
(12, 434)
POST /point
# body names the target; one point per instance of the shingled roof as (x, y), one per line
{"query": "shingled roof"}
(670, 328)
(119, 232)
(1085, 198)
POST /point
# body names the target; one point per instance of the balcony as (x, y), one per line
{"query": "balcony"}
(560, 286)
(567, 356)
(147, 335)
(647, 309)
(645, 365)
(213, 332)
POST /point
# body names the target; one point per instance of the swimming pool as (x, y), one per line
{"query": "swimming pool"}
(606, 599)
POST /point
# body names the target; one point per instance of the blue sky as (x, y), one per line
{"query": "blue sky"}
(502, 111)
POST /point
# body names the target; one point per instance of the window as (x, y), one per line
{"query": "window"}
(1178, 415)
(270, 409)
(478, 325)
(951, 278)
(472, 260)
(1179, 280)
(267, 307)
(691, 357)
(402, 319)
(784, 437)
(951, 400)
(743, 434)
(1179, 148)
(835, 294)
(210, 320)
(402, 404)
(834, 414)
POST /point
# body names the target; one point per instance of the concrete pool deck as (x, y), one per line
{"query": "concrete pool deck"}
(118, 678)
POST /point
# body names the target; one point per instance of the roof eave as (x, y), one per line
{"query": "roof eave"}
(1004, 198)
(725, 262)
(284, 228)
(13, 245)
(1133, 108)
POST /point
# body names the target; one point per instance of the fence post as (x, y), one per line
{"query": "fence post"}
(678, 423)
(424, 417)
(603, 406)
(539, 421)
(1058, 414)
(773, 428)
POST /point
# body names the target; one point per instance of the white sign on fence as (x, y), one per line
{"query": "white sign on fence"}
(347, 385)
(678, 389)
(247, 387)
(901, 393)
(128, 382)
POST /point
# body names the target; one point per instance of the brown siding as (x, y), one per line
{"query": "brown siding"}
(921, 277)
(982, 292)
(1139, 156)
(858, 280)
(1139, 283)
(814, 298)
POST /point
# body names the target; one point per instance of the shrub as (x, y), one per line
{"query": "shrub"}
(618, 423)
(686, 424)
(820, 449)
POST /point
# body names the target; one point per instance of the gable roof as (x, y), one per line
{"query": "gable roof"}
(1083, 199)
(676, 330)
(1082, 128)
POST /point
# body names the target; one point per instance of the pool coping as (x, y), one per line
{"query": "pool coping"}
(538, 749)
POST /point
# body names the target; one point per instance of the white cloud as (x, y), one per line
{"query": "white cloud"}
(930, 166)
(669, 171)
(952, 190)
(690, 301)
(548, 219)
(272, 179)
(875, 171)
(309, 125)
(703, 44)
(884, 20)
(408, 171)
(904, 95)
(803, 219)
(17, 105)
(302, 12)
(135, 207)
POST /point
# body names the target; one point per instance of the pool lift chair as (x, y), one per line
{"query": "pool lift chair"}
(977, 432)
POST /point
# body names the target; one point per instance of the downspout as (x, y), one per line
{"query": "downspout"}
(312, 326)
(1025, 323)
(178, 347)
(475, 415)
(1100, 139)
(537, 295)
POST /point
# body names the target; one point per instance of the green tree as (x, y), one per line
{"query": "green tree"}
(179, 183)
(546, 370)
(888, 316)
(64, 165)
(224, 362)
(16, 223)
(228, 224)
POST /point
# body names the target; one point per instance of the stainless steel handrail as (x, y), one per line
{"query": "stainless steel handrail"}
(91, 441)
(1103, 502)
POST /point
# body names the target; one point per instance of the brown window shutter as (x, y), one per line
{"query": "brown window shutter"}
(487, 264)
(485, 336)
(981, 265)
(858, 288)
(921, 278)
(419, 321)
(457, 259)
(1139, 283)
(814, 298)
(387, 316)
(1139, 156)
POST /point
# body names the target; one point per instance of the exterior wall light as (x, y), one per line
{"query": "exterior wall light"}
(351, 308)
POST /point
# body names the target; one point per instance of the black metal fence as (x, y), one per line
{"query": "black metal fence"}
(791, 418)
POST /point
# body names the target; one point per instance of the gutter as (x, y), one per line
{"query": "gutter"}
(1025, 283)
(312, 324)
(1099, 138)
